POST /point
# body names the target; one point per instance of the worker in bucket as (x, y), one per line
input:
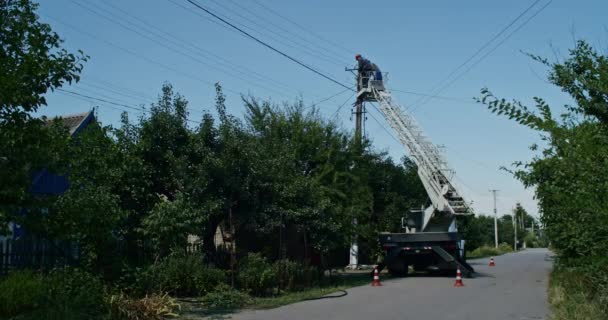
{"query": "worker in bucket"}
(366, 70)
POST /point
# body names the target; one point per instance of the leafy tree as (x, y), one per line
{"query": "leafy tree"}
(569, 175)
(32, 62)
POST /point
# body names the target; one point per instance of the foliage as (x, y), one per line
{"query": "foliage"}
(571, 299)
(569, 175)
(255, 274)
(170, 222)
(291, 275)
(153, 307)
(62, 294)
(224, 297)
(178, 274)
(490, 251)
(32, 62)
(20, 292)
(570, 181)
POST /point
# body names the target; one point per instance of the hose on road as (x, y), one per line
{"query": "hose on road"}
(343, 294)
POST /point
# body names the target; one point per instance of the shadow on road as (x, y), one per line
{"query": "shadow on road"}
(425, 274)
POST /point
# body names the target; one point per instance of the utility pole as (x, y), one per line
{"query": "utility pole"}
(515, 226)
(354, 248)
(359, 124)
(495, 219)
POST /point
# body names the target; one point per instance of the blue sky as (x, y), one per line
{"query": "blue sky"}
(417, 42)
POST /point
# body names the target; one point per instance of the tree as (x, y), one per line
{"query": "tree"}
(569, 175)
(32, 62)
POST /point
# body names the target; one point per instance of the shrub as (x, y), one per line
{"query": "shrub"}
(504, 248)
(225, 297)
(487, 251)
(62, 294)
(574, 294)
(255, 274)
(20, 292)
(207, 278)
(291, 275)
(153, 307)
(178, 274)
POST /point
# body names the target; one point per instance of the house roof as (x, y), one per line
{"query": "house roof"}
(75, 122)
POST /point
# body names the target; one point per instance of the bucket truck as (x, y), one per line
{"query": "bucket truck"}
(431, 241)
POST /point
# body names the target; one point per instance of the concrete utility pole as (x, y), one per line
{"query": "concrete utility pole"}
(495, 219)
(515, 226)
(354, 248)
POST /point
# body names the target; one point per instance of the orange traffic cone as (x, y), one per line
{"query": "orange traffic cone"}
(458, 282)
(376, 281)
(492, 262)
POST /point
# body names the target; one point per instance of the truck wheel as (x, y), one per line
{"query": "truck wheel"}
(398, 273)
(419, 268)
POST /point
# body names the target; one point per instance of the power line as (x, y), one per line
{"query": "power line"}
(340, 107)
(382, 126)
(252, 13)
(137, 55)
(432, 96)
(92, 101)
(301, 26)
(103, 95)
(118, 87)
(485, 45)
(329, 98)
(493, 48)
(208, 54)
(76, 94)
(297, 46)
(185, 54)
(100, 100)
(269, 46)
(311, 52)
(114, 91)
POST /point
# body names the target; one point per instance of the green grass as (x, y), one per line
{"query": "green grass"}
(487, 251)
(571, 298)
(343, 282)
(195, 310)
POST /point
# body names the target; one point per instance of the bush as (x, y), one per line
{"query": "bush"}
(225, 297)
(504, 248)
(291, 275)
(62, 294)
(576, 295)
(178, 274)
(487, 251)
(154, 307)
(255, 274)
(20, 292)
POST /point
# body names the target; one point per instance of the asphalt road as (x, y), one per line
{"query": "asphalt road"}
(515, 289)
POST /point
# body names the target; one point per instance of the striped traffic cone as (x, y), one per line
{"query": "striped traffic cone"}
(458, 282)
(492, 262)
(376, 281)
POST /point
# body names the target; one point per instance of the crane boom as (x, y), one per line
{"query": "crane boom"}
(436, 176)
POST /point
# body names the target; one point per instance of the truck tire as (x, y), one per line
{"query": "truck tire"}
(399, 273)
(399, 269)
(420, 267)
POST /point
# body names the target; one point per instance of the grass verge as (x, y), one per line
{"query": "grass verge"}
(572, 298)
(195, 309)
(487, 251)
(343, 282)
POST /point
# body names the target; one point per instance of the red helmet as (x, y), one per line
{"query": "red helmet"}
(357, 56)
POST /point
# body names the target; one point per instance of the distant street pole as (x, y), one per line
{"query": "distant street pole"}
(514, 230)
(495, 219)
